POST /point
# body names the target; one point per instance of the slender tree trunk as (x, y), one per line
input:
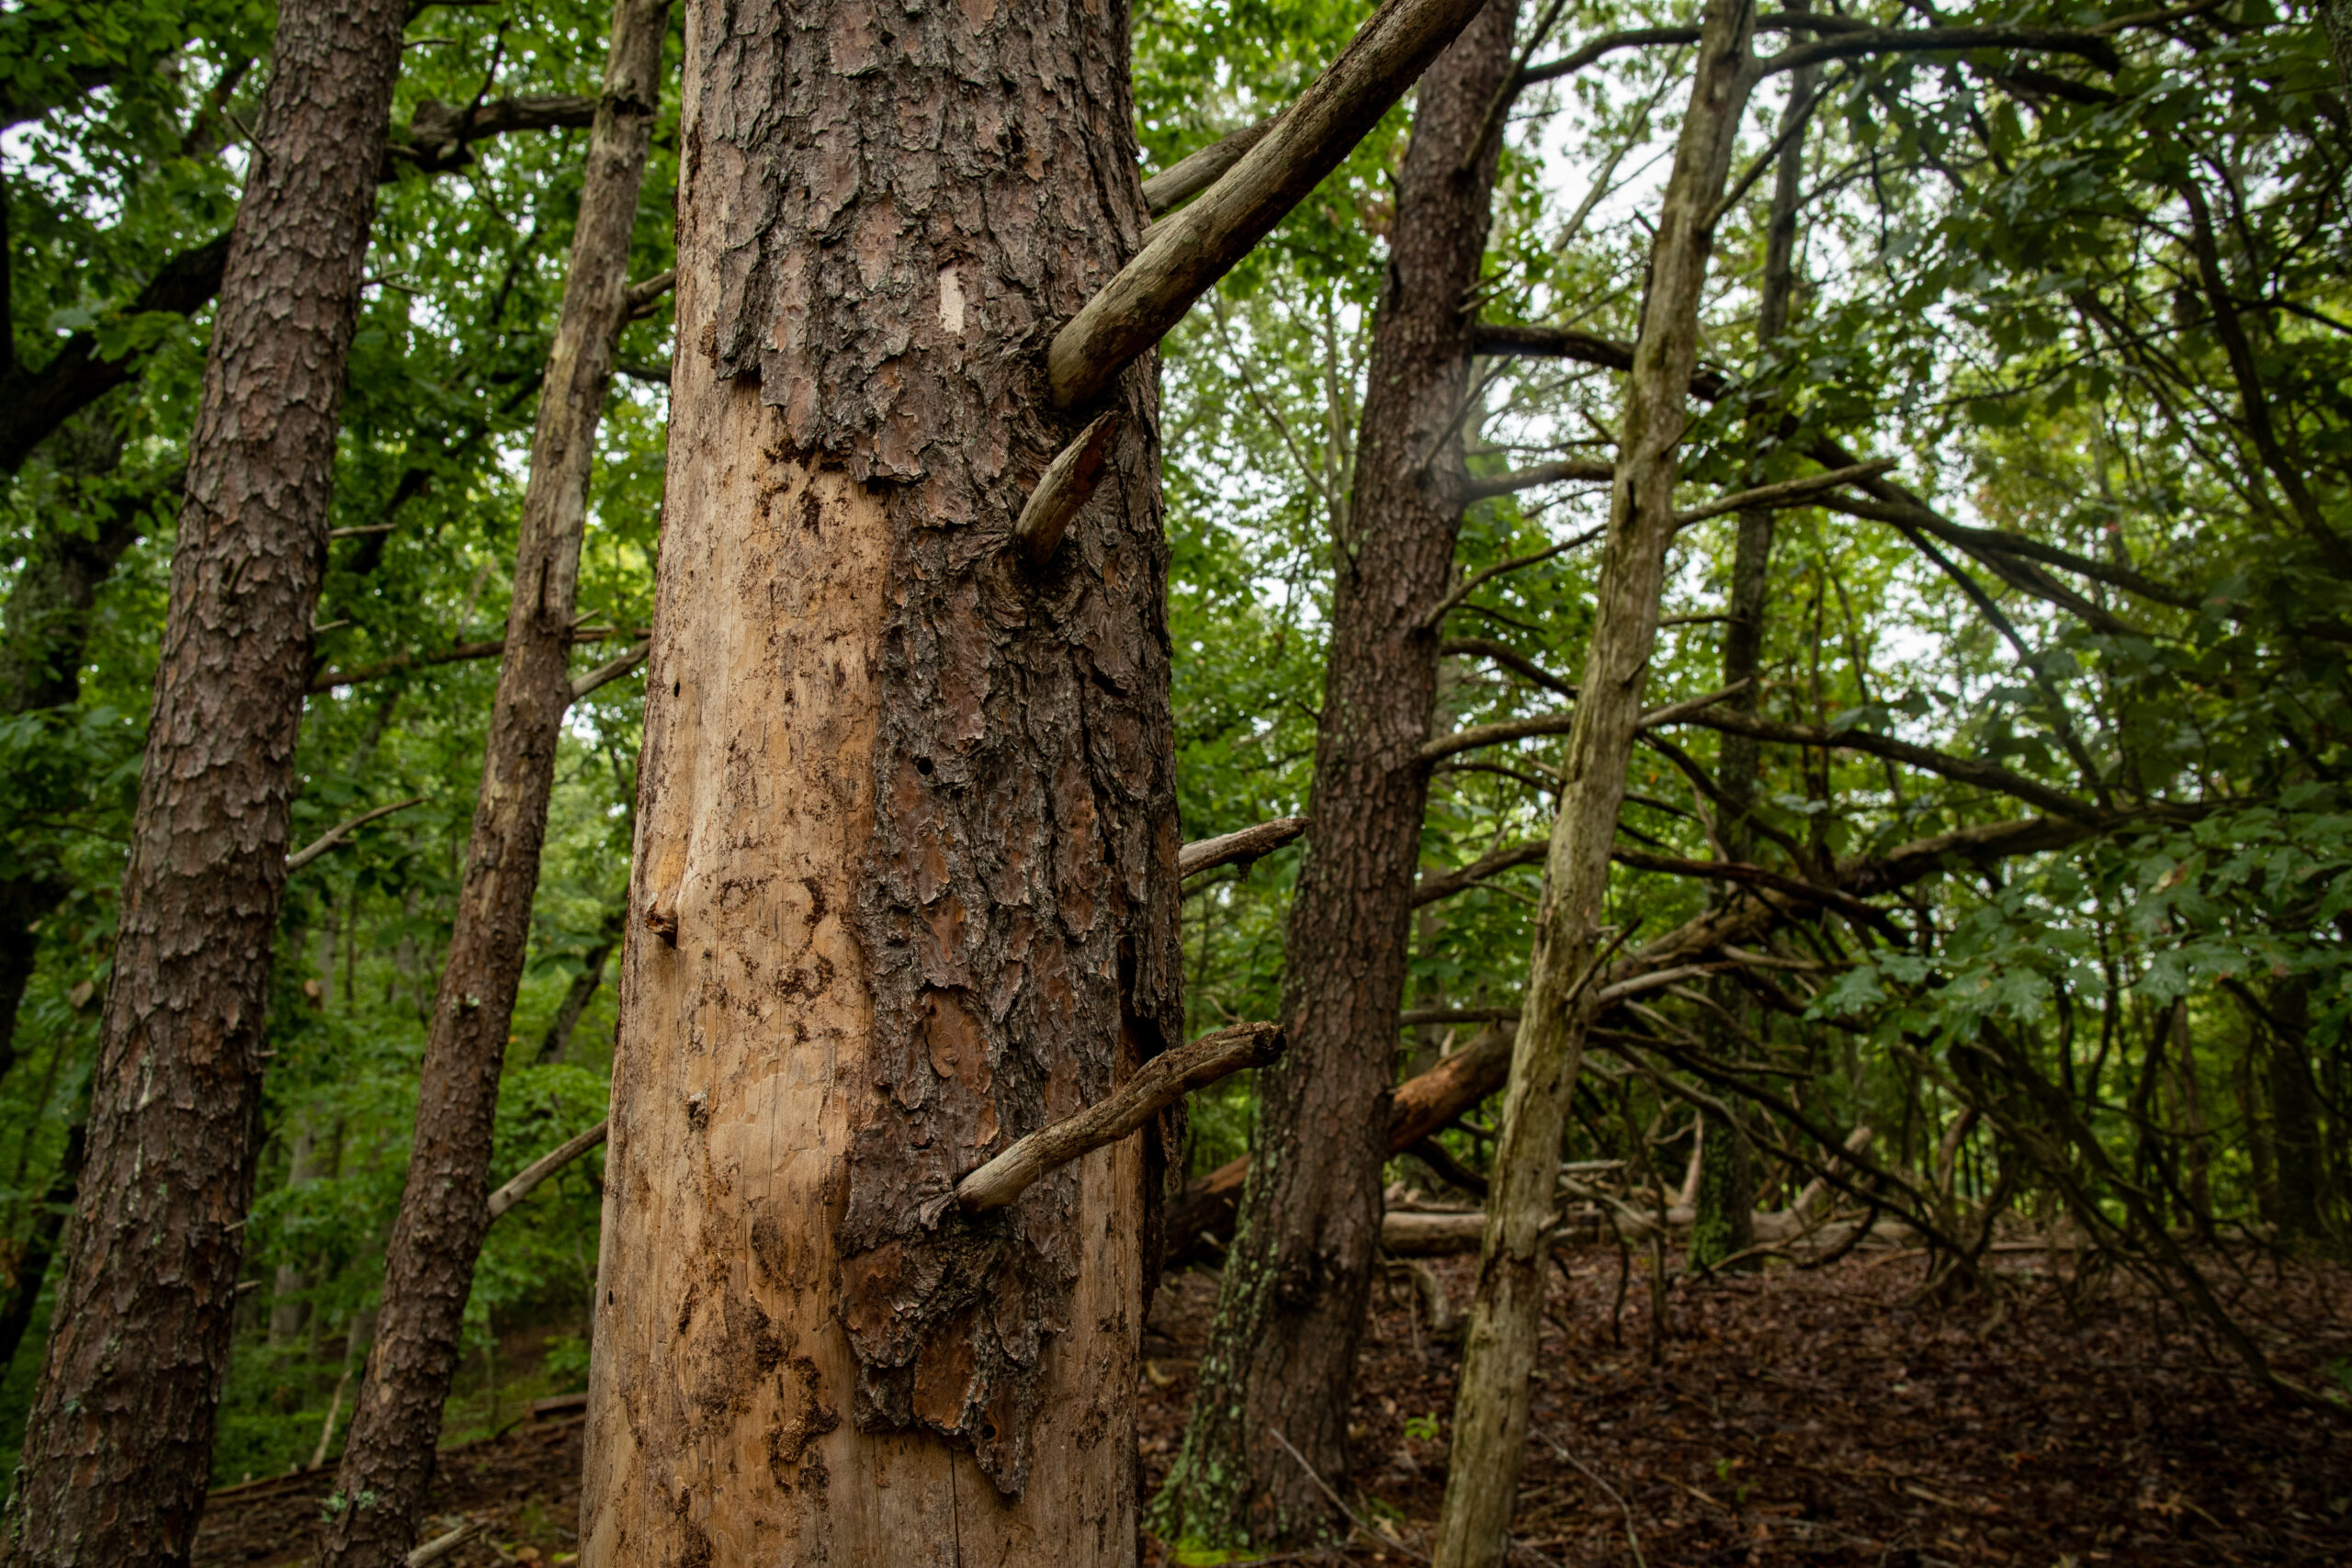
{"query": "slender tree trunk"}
(905, 879)
(49, 1221)
(117, 1453)
(1725, 1222)
(429, 1261)
(1491, 1407)
(557, 1042)
(287, 1309)
(1281, 1364)
(2294, 1110)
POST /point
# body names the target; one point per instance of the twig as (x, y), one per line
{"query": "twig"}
(1470, 585)
(1323, 1486)
(1614, 1495)
(334, 835)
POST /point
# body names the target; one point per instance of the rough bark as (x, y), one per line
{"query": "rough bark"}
(1281, 1355)
(429, 1261)
(1490, 1408)
(1724, 1223)
(118, 1451)
(906, 874)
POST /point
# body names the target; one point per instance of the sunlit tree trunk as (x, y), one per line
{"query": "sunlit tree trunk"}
(1281, 1363)
(429, 1261)
(904, 885)
(118, 1451)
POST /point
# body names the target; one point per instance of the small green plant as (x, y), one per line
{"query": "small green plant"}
(1422, 1427)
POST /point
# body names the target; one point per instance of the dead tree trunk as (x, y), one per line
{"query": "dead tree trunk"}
(1725, 1219)
(117, 1453)
(1490, 1408)
(1281, 1358)
(429, 1262)
(905, 882)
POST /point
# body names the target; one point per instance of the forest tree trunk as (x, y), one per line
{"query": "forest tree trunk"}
(117, 1453)
(1724, 1222)
(1489, 1439)
(905, 879)
(429, 1262)
(1280, 1367)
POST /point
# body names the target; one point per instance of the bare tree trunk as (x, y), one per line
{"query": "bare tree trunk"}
(1724, 1220)
(429, 1261)
(905, 881)
(117, 1453)
(1279, 1370)
(1490, 1408)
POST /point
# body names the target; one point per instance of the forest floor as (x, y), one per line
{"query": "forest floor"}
(1785, 1418)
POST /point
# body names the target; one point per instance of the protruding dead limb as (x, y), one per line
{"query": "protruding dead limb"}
(1188, 252)
(1063, 490)
(1164, 1079)
(527, 1180)
(1207, 854)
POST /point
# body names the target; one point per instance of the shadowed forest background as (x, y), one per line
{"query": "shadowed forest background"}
(2030, 781)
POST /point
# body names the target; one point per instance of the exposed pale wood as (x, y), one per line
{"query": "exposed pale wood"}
(1160, 1083)
(336, 834)
(1188, 252)
(1188, 176)
(1207, 854)
(528, 1179)
(1064, 488)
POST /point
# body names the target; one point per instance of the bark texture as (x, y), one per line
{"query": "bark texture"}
(1281, 1355)
(1490, 1409)
(905, 885)
(429, 1262)
(117, 1453)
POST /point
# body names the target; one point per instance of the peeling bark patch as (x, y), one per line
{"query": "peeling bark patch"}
(896, 207)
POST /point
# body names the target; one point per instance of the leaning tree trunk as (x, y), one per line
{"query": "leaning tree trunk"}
(905, 879)
(1490, 1406)
(1281, 1363)
(429, 1262)
(119, 1450)
(1724, 1223)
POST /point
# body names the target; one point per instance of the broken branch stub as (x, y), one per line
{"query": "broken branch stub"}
(1249, 844)
(1163, 1081)
(1063, 490)
(1191, 250)
(1187, 177)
